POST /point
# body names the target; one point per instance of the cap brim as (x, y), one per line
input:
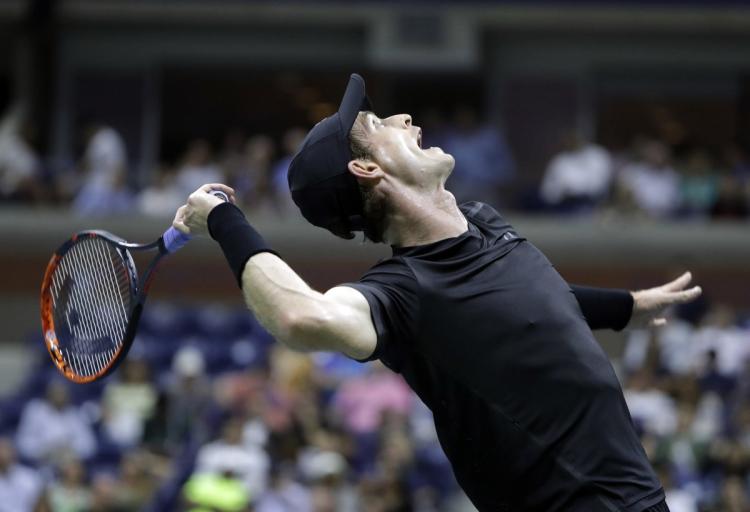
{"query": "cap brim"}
(354, 100)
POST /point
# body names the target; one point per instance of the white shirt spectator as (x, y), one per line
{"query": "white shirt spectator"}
(128, 406)
(679, 351)
(655, 190)
(105, 156)
(104, 189)
(20, 489)
(680, 500)
(582, 173)
(677, 347)
(18, 162)
(731, 344)
(654, 409)
(46, 432)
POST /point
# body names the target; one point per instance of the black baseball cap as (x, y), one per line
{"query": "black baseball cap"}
(322, 187)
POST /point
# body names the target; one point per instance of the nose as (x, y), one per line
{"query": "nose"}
(406, 119)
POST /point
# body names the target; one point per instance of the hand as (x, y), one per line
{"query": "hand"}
(649, 305)
(192, 218)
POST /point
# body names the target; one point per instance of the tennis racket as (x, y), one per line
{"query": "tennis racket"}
(92, 299)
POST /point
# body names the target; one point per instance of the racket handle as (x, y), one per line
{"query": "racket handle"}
(175, 239)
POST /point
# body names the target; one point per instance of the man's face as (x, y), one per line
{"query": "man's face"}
(396, 146)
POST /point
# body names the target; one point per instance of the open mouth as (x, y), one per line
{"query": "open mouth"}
(419, 138)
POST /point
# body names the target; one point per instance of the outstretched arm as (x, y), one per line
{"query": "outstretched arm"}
(606, 308)
(295, 314)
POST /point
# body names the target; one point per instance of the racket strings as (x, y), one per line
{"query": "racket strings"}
(91, 295)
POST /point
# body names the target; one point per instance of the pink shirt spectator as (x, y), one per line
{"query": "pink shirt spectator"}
(362, 401)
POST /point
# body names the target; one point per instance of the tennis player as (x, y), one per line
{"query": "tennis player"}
(527, 406)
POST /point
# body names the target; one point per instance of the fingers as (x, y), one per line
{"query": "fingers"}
(685, 295)
(208, 187)
(679, 283)
(179, 220)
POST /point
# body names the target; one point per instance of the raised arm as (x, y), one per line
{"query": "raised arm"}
(302, 318)
(295, 314)
(608, 308)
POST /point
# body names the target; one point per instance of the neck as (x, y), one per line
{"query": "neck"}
(422, 217)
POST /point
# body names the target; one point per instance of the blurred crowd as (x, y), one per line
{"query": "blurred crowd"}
(200, 421)
(688, 389)
(233, 423)
(652, 178)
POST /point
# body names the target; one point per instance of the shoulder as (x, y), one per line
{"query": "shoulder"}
(391, 282)
(483, 214)
(478, 209)
(390, 292)
(393, 271)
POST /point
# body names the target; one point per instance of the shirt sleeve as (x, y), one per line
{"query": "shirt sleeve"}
(390, 289)
(604, 308)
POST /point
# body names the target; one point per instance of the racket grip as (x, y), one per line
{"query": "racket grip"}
(175, 239)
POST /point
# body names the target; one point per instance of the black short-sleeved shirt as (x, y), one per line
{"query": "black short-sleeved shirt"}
(526, 404)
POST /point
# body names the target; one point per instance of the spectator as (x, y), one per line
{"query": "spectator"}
(218, 492)
(290, 143)
(483, 162)
(736, 159)
(684, 448)
(70, 492)
(105, 189)
(104, 494)
(162, 197)
(734, 495)
(650, 407)
(650, 179)
(197, 168)
(252, 181)
(712, 380)
(284, 493)
(19, 165)
(699, 185)
(678, 350)
(579, 176)
(719, 333)
(249, 463)
(51, 428)
(678, 499)
(231, 157)
(188, 397)
(325, 472)
(21, 488)
(733, 199)
(128, 403)
(361, 401)
(137, 481)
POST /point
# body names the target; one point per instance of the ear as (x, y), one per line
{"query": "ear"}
(365, 171)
